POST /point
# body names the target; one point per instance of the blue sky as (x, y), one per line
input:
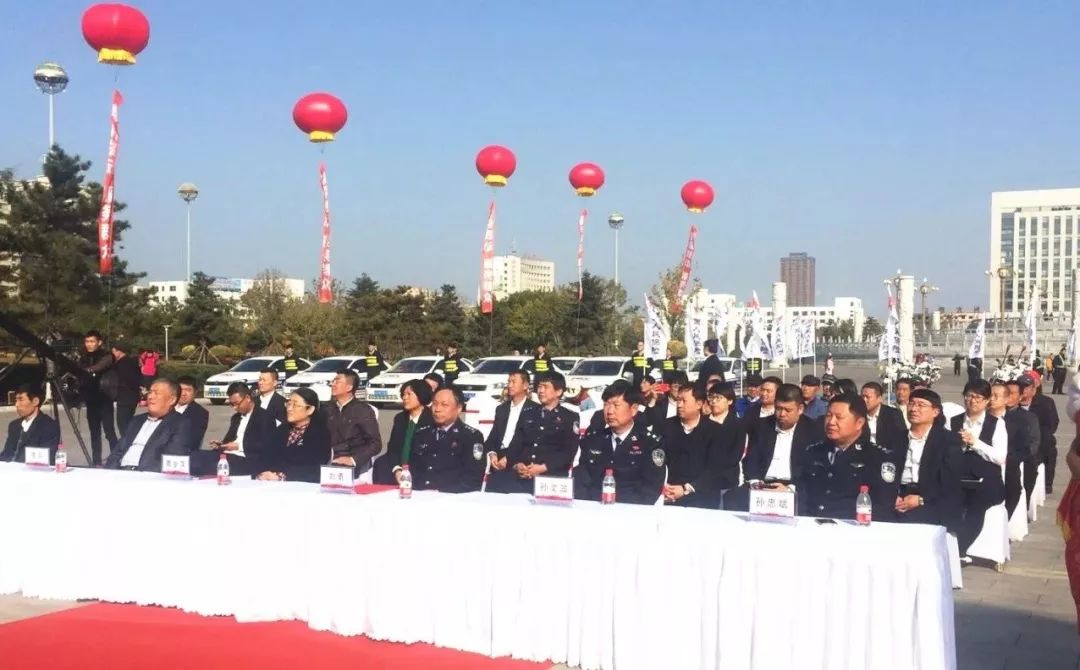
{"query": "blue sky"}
(868, 135)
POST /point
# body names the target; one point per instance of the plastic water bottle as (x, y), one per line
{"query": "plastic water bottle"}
(405, 484)
(61, 458)
(223, 478)
(862, 506)
(607, 488)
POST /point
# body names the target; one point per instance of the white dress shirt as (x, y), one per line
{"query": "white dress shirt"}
(780, 468)
(180, 409)
(998, 449)
(511, 422)
(871, 423)
(620, 437)
(134, 452)
(913, 459)
(240, 430)
(264, 402)
(26, 423)
(767, 411)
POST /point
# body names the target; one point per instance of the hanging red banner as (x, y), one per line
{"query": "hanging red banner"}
(487, 265)
(687, 263)
(581, 251)
(325, 283)
(108, 190)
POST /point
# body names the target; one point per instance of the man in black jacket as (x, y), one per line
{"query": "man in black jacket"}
(701, 462)
(99, 406)
(507, 416)
(374, 363)
(452, 365)
(930, 479)
(711, 365)
(640, 364)
(448, 455)
(32, 428)
(984, 454)
(128, 384)
(885, 425)
(775, 451)
(1046, 411)
(268, 398)
(1016, 431)
(250, 429)
(354, 431)
(194, 413)
(159, 431)
(1029, 454)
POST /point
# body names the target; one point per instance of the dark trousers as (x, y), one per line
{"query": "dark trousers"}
(99, 416)
(124, 412)
(1049, 459)
(976, 501)
(1031, 473)
(1059, 381)
(956, 369)
(974, 374)
(1013, 484)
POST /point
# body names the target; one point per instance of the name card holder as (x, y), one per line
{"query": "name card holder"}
(336, 479)
(773, 506)
(553, 490)
(176, 467)
(37, 458)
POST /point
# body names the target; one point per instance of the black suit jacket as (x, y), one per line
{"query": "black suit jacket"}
(383, 472)
(891, 434)
(172, 437)
(43, 432)
(129, 380)
(256, 435)
(276, 408)
(704, 458)
(974, 467)
(198, 418)
(763, 442)
(939, 478)
(1045, 409)
(711, 366)
(498, 429)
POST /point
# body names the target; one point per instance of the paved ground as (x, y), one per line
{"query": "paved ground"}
(1023, 618)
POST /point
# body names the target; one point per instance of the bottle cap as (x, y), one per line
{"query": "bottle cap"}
(405, 466)
(863, 488)
(608, 471)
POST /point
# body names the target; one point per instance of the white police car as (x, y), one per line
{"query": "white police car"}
(246, 371)
(319, 376)
(489, 376)
(385, 389)
(599, 373)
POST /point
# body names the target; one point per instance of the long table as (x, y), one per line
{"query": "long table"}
(618, 587)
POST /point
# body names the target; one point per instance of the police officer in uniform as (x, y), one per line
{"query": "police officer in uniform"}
(541, 362)
(448, 455)
(544, 442)
(668, 365)
(451, 365)
(291, 362)
(833, 470)
(633, 451)
(641, 364)
(373, 361)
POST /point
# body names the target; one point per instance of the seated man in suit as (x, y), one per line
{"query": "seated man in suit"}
(269, 399)
(702, 459)
(32, 429)
(507, 414)
(158, 432)
(885, 425)
(986, 446)
(250, 428)
(774, 454)
(448, 455)
(930, 479)
(194, 413)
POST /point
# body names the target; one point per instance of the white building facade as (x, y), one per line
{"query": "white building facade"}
(514, 274)
(842, 309)
(1034, 239)
(230, 289)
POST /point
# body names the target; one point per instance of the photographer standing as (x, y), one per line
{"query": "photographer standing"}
(99, 406)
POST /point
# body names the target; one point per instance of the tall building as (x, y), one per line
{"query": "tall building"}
(798, 271)
(514, 274)
(1034, 238)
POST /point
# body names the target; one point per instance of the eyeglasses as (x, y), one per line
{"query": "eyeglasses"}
(974, 397)
(920, 404)
(297, 404)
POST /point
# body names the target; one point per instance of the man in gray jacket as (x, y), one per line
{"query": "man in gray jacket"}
(354, 430)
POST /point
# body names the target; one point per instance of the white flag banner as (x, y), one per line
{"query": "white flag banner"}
(778, 341)
(1031, 320)
(977, 344)
(796, 338)
(657, 332)
(889, 347)
(720, 324)
(757, 343)
(1070, 348)
(809, 337)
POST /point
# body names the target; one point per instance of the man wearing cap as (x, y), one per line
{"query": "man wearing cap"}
(711, 365)
(828, 386)
(746, 402)
(1033, 400)
(930, 480)
(885, 425)
(815, 405)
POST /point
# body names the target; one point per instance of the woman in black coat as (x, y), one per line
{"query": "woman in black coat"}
(300, 446)
(415, 397)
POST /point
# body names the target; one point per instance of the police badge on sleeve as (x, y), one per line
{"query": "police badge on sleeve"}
(888, 473)
(658, 457)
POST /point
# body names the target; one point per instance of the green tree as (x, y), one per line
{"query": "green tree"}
(49, 252)
(445, 316)
(872, 329)
(264, 308)
(665, 295)
(206, 316)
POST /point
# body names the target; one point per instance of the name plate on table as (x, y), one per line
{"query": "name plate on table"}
(178, 467)
(336, 479)
(37, 457)
(769, 505)
(553, 490)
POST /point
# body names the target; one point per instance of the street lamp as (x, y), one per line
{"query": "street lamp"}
(188, 192)
(167, 341)
(51, 79)
(615, 220)
(925, 289)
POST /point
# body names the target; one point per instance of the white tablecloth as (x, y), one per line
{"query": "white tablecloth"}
(623, 587)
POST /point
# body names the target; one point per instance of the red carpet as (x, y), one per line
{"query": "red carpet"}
(114, 637)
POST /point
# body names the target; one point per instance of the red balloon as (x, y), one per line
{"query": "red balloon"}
(586, 178)
(697, 195)
(118, 32)
(320, 115)
(495, 164)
